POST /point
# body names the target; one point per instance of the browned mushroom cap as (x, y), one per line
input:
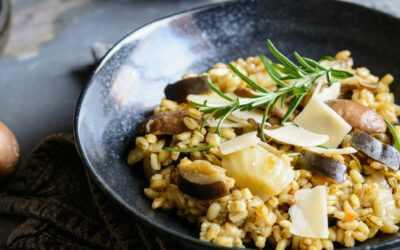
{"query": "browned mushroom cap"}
(179, 90)
(358, 116)
(376, 150)
(202, 180)
(323, 165)
(166, 123)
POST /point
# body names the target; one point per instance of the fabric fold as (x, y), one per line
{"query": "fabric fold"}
(63, 206)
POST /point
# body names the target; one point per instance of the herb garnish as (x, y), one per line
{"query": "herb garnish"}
(303, 77)
(396, 138)
(186, 150)
(322, 146)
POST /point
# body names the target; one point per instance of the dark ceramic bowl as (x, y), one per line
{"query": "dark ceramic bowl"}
(5, 13)
(131, 78)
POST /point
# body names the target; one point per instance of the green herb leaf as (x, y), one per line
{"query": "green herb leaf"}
(340, 74)
(396, 138)
(321, 146)
(246, 79)
(283, 98)
(292, 107)
(303, 62)
(272, 72)
(283, 58)
(273, 103)
(187, 150)
(205, 120)
(264, 119)
(329, 58)
(223, 119)
(299, 90)
(217, 91)
(328, 77)
(314, 64)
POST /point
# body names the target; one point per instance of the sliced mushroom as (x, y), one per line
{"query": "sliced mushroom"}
(167, 123)
(323, 165)
(243, 92)
(179, 90)
(356, 82)
(202, 180)
(358, 116)
(376, 150)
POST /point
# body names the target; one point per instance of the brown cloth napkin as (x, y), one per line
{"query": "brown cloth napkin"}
(64, 208)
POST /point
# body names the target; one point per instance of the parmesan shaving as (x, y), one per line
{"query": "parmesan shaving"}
(309, 214)
(239, 143)
(319, 118)
(291, 134)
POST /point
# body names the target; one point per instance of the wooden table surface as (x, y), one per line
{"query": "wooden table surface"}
(48, 60)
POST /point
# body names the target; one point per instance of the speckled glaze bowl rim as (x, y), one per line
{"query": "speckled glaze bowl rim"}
(163, 230)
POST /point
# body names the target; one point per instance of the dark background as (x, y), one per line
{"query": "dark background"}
(48, 59)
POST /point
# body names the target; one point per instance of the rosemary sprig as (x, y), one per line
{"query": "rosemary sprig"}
(396, 138)
(301, 78)
(186, 150)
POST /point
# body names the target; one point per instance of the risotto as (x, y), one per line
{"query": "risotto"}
(257, 153)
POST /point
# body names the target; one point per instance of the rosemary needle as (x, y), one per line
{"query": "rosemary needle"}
(396, 138)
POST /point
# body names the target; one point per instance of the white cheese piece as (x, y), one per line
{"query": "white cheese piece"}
(239, 143)
(291, 134)
(319, 118)
(309, 214)
(332, 151)
(329, 93)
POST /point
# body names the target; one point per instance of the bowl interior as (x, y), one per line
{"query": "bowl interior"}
(130, 80)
